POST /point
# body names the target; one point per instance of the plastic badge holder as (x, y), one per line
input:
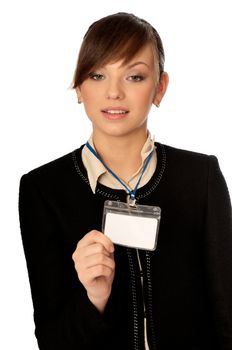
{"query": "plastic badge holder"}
(135, 227)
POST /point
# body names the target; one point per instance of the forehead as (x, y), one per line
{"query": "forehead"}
(146, 55)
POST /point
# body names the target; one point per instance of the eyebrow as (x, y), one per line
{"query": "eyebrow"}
(137, 63)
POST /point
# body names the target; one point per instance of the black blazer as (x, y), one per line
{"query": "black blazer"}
(187, 279)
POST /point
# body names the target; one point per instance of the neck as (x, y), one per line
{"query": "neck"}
(122, 154)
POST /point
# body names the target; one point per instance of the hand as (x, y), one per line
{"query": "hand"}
(95, 266)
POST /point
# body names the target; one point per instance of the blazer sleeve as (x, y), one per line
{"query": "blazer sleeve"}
(64, 316)
(219, 253)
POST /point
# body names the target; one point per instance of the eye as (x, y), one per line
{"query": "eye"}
(96, 76)
(136, 78)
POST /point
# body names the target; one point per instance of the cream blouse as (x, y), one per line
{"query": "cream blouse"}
(97, 172)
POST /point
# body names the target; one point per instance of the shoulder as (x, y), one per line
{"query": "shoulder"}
(55, 171)
(189, 168)
(189, 160)
(186, 155)
(55, 186)
(193, 174)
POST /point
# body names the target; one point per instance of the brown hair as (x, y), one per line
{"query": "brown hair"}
(115, 37)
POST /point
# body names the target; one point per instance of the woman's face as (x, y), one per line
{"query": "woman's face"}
(117, 97)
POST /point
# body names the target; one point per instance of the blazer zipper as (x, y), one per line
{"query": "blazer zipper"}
(134, 302)
(144, 306)
(150, 301)
(149, 311)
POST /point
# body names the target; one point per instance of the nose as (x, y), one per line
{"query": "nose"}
(114, 90)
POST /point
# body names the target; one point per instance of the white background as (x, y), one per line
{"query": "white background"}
(40, 119)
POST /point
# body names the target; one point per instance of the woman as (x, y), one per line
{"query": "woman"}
(89, 293)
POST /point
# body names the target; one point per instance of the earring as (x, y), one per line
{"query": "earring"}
(157, 105)
(79, 100)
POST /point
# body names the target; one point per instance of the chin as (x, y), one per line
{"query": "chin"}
(121, 132)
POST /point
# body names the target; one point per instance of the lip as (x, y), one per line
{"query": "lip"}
(115, 115)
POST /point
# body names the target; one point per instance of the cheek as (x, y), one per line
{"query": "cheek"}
(90, 97)
(145, 97)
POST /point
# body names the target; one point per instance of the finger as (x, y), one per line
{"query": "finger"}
(87, 275)
(92, 249)
(96, 237)
(99, 259)
(83, 265)
(97, 271)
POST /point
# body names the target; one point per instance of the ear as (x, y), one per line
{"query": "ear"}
(78, 92)
(161, 88)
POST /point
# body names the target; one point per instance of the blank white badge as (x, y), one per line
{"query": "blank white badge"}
(132, 231)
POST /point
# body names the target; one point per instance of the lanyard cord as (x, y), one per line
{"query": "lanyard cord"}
(133, 192)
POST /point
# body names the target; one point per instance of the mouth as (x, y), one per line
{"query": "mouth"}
(115, 113)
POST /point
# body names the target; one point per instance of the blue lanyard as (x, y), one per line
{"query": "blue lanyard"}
(131, 192)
